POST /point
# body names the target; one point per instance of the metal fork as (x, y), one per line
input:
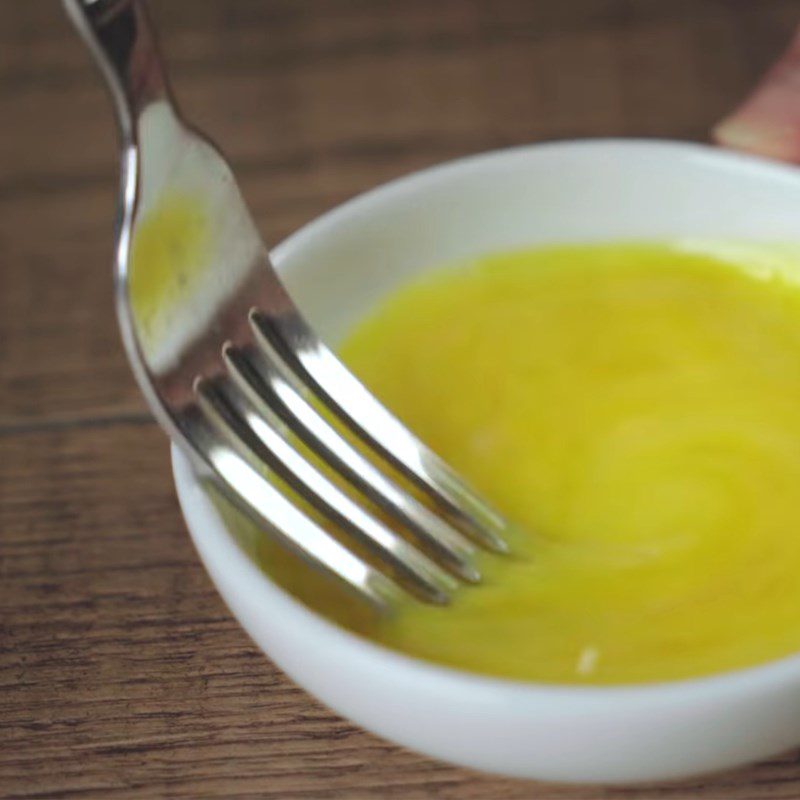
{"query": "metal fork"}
(237, 377)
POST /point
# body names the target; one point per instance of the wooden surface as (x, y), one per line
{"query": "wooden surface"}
(122, 675)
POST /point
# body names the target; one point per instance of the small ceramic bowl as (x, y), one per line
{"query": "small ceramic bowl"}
(343, 263)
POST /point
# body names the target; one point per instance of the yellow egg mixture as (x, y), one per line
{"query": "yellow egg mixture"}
(635, 410)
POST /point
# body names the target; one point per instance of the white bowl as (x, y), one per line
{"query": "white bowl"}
(339, 266)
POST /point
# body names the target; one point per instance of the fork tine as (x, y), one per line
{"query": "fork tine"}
(266, 438)
(266, 388)
(261, 501)
(318, 370)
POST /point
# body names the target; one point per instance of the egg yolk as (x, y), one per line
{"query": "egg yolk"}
(634, 411)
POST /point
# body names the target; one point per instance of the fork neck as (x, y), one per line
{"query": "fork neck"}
(122, 39)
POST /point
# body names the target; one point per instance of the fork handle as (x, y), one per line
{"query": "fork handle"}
(122, 40)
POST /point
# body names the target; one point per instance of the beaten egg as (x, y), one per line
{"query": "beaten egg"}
(634, 411)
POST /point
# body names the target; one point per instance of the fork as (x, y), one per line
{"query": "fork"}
(238, 378)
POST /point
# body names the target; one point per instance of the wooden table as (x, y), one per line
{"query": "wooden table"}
(122, 675)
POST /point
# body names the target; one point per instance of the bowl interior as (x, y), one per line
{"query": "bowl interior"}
(341, 265)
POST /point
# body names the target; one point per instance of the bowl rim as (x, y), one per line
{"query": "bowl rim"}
(207, 529)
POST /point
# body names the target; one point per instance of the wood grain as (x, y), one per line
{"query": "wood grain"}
(122, 675)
